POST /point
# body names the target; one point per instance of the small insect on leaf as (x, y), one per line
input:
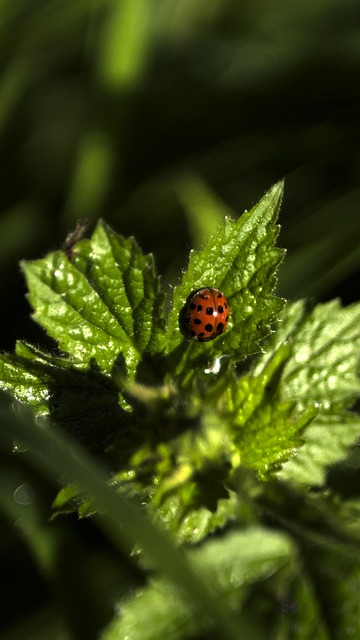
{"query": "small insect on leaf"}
(206, 314)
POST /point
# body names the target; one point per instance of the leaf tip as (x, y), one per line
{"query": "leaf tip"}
(277, 191)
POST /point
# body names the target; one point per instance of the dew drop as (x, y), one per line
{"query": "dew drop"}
(24, 494)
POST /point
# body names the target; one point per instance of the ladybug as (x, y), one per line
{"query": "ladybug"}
(206, 314)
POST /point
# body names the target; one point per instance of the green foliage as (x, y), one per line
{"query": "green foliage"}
(228, 565)
(105, 105)
(194, 443)
(239, 259)
(101, 303)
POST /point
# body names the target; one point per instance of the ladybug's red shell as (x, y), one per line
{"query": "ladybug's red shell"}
(207, 314)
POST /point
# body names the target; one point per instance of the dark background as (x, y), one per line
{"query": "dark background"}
(138, 111)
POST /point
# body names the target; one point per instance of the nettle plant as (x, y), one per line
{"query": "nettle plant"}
(243, 444)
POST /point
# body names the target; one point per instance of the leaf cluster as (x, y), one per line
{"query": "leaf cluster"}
(239, 445)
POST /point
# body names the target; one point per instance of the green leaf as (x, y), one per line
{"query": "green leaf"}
(21, 378)
(228, 564)
(198, 524)
(239, 259)
(266, 430)
(322, 371)
(102, 304)
(325, 443)
(84, 403)
(325, 354)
